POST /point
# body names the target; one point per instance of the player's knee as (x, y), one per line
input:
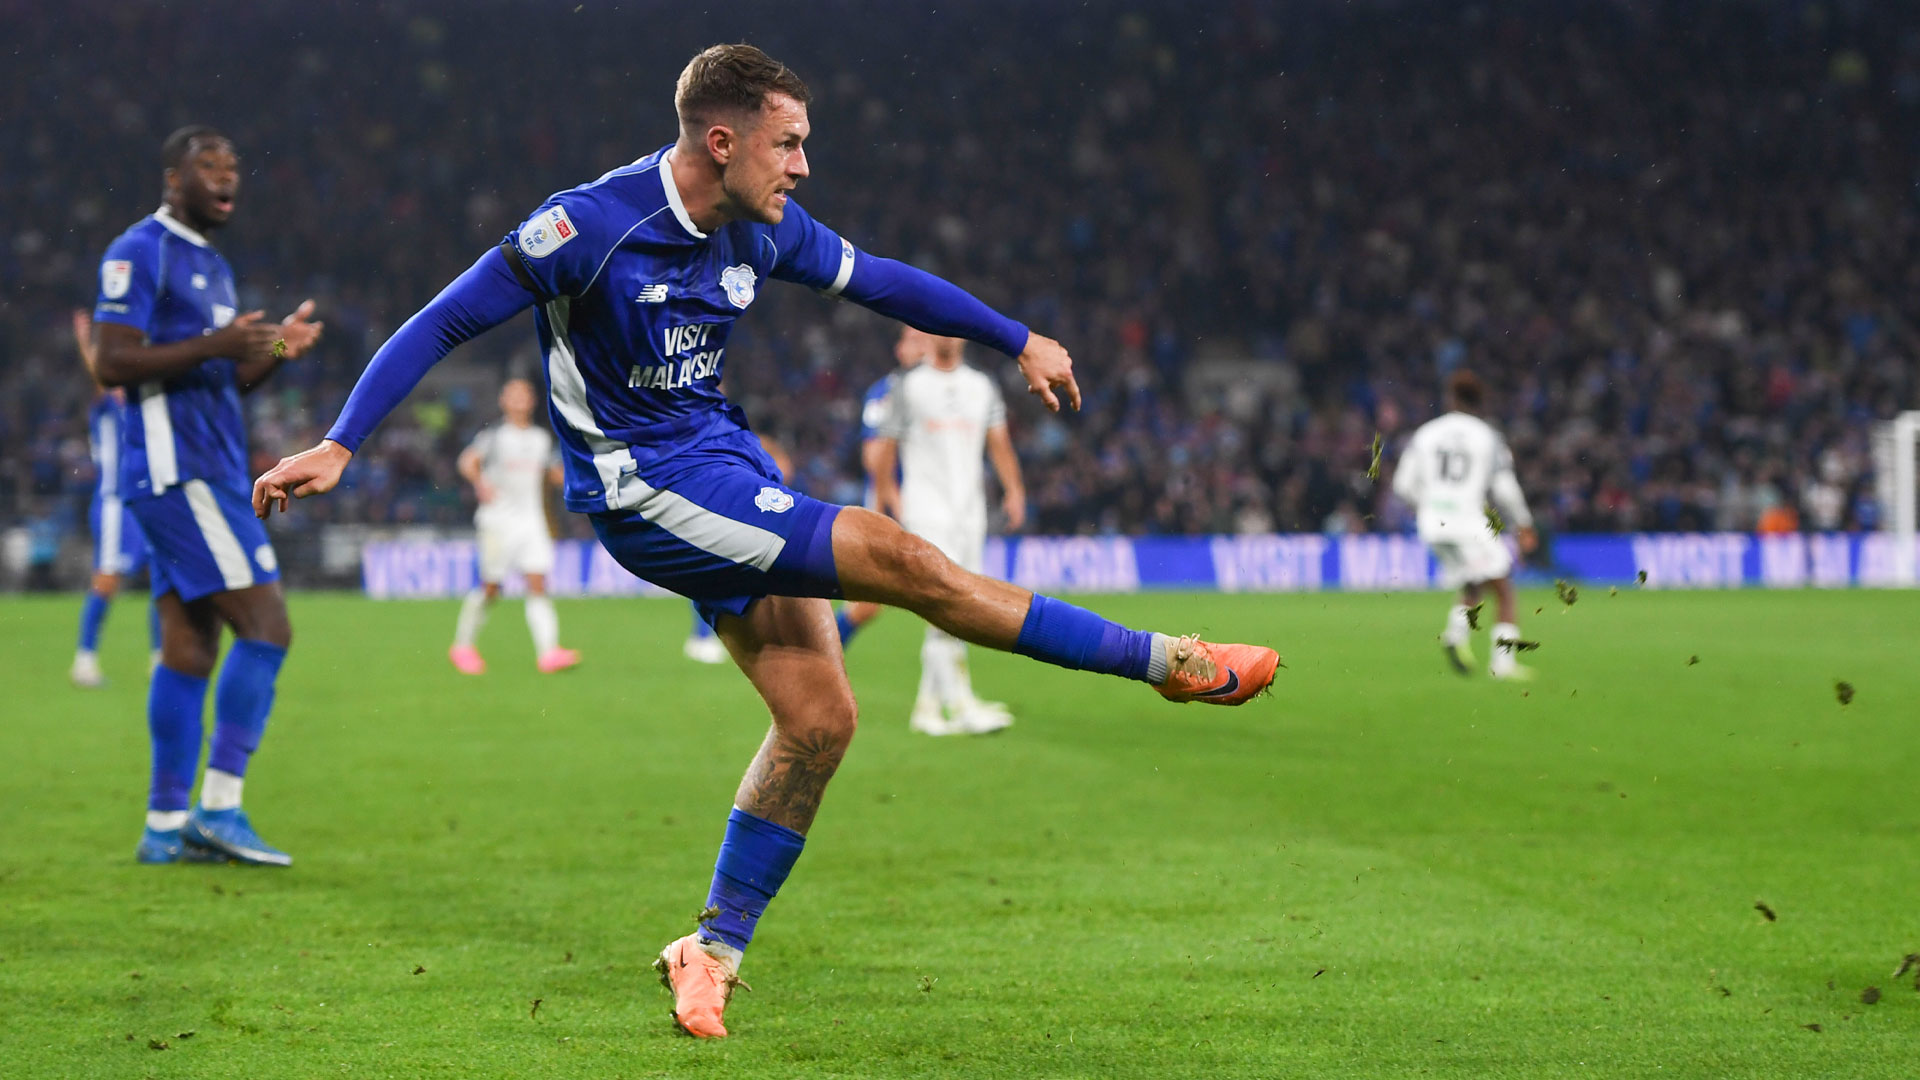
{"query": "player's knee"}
(827, 720)
(267, 623)
(194, 657)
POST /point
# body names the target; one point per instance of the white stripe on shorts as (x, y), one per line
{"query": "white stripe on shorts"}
(716, 534)
(110, 511)
(163, 468)
(235, 568)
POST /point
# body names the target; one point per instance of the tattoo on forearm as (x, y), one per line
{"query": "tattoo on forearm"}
(789, 775)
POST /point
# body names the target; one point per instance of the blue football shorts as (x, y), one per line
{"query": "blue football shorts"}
(119, 547)
(725, 531)
(205, 539)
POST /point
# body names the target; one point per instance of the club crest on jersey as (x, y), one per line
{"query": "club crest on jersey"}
(115, 276)
(738, 281)
(546, 232)
(773, 501)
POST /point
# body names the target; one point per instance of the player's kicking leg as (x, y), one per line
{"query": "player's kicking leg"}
(878, 561)
(790, 650)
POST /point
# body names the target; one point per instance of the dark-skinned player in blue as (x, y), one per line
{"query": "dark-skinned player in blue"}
(636, 280)
(167, 328)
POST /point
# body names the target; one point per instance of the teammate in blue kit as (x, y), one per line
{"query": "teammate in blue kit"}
(119, 548)
(166, 328)
(636, 280)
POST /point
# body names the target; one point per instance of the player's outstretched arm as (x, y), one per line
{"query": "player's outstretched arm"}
(938, 306)
(487, 295)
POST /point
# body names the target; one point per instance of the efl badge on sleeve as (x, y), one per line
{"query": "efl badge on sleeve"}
(546, 232)
(115, 276)
(738, 281)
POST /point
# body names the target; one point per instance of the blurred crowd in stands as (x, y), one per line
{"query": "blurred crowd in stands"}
(1680, 240)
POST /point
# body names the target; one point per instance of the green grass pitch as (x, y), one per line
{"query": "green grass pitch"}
(1381, 870)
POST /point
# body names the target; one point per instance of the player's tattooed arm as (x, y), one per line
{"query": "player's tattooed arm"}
(789, 775)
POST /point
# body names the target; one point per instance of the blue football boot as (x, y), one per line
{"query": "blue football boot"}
(157, 846)
(228, 833)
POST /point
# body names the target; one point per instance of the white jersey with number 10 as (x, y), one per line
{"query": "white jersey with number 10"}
(1450, 470)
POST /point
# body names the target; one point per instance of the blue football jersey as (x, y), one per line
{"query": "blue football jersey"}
(162, 278)
(873, 413)
(873, 407)
(636, 305)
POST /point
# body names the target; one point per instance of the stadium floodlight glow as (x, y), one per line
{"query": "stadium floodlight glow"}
(1894, 446)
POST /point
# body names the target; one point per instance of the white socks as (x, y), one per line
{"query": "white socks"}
(722, 952)
(936, 669)
(1158, 665)
(166, 820)
(1504, 657)
(473, 616)
(219, 790)
(1457, 628)
(543, 623)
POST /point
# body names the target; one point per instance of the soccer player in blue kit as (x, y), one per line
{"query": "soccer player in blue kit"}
(167, 328)
(119, 548)
(636, 279)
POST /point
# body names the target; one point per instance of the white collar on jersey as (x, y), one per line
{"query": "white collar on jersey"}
(173, 225)
(673, 196)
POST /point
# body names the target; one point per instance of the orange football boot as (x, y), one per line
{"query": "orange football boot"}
(702, 985)
(1216, 674)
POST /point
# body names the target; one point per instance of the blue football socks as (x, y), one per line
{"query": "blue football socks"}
(241, 703)
(755, 859)
(174, 704)
(847, 626)
(93, 615)
(1073, 637)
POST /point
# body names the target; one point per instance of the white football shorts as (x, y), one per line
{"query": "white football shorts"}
(520, 545)
(1471, 559)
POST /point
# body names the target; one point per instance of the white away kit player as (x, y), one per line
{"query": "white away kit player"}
(510, 466)
(941, 418)
(1457, 473)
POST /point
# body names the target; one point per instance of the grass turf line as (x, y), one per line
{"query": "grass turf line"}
(1382, 869)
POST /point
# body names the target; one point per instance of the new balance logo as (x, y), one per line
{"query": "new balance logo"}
(651, 294)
